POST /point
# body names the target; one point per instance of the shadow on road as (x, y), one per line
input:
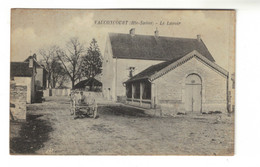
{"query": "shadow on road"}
(34, 132)
(121, 111)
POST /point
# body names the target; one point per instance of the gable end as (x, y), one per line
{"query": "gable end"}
(186, 58)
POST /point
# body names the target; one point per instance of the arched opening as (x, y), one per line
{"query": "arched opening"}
(193, 93)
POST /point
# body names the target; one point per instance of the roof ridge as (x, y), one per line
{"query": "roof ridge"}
(186, 58)
(172, 64)
(154, 36)
(150, 47)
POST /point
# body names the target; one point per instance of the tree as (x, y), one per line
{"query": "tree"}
(52, 65)
(59, 75)
(92, 61)
(72, 61)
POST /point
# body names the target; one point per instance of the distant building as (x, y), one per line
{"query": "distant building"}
(155, 71)
(31, 74)
(41, 74)
(90, 84)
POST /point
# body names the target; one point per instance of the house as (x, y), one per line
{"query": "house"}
(128, 54)
(25, 73)
(41, 74)
(190, 84)
(90, 84)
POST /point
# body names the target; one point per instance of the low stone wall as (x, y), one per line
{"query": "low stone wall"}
(18, 94)
(46, 93)
(66, 92)
(56, 92)
(93, 94)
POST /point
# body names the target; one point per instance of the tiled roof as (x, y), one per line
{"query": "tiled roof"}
(20, 69)
(146, 47)
(155, 71)
(145, 74)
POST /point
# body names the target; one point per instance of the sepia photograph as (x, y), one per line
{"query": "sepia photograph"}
(122, 82)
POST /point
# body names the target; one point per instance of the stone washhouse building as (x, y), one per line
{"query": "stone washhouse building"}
(172, 74)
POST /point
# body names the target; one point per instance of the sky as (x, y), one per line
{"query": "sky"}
(34, 29)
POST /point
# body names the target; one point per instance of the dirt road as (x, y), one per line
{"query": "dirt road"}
(51, 129)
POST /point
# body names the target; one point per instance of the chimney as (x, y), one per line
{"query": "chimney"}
(132, 31)
(156, 32)
(31, 62)
(35, 56)
(131, 71)
(199, 37)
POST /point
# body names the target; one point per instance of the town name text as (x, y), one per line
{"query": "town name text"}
(127, 22)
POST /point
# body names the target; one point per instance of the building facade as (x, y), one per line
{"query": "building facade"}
(23, 74)
(192, 84)
(30, 74)
(41, 78)
(128, 54)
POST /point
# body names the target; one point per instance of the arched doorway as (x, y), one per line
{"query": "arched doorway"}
(193, 93)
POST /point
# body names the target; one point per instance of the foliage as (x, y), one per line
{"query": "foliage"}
(71, 63)
(92, 61)
(59, 75)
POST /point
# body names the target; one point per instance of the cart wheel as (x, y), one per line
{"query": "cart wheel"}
(71, 112)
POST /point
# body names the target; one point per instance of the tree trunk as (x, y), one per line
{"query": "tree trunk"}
(73, 83)
(53, 81)
(49, 80)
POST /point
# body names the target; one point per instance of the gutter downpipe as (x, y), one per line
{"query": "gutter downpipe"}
(116, 82)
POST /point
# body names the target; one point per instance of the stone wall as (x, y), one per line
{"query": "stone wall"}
(170, 88)
(18, 94)
(25, 81)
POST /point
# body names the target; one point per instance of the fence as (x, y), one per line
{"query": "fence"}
(66, 92)
(56, 92)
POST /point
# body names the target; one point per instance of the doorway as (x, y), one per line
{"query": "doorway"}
(193, 95)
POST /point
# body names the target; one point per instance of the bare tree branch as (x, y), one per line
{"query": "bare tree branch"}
(51, 63)
(72, 62)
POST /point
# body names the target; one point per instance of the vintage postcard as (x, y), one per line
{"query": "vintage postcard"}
(122, 82)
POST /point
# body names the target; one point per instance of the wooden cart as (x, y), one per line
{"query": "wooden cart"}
(83, 110)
